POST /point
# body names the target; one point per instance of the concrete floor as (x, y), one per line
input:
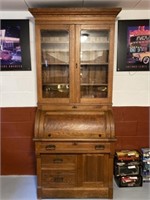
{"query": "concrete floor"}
(24, 188)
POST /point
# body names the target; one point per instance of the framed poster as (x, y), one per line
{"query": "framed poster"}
(14, 45)
(133, 50)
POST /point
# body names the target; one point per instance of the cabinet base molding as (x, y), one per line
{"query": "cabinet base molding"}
(75, 193)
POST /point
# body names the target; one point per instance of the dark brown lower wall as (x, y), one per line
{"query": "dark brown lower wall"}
(17, 128)
(17, 147)
(132, 125)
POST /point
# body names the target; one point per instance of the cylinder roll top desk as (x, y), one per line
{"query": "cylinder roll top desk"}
(74, 125)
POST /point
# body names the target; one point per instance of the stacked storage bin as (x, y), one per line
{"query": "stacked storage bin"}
(145, 164)
(127, 168)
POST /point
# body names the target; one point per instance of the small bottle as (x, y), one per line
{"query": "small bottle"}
(46, 63)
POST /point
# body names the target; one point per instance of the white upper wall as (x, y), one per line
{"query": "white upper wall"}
(19, 88)
(131, 88)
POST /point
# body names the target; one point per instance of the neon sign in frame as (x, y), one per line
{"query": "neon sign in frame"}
(14, 45)
(133, 45)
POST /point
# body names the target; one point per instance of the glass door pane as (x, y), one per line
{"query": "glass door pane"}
(55, 63)
(94, 63)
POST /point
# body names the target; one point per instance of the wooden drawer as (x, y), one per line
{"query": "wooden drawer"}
(72, 147)
(58, 161)
(57, 178)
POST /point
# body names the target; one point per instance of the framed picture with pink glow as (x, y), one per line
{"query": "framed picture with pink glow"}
(133, 50)
(14, 45)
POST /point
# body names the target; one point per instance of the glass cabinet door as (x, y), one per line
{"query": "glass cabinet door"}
(55, 63)
(94, 53)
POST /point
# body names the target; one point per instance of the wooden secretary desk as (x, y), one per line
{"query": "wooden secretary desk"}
(74, 128)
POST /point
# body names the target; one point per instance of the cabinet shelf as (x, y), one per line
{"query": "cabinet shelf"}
(56, 84)
(47, 66)
(67, 84)
(94, 84)
(52, 43)
(94, 64)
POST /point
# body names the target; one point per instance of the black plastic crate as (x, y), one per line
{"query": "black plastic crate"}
(127, 168)
(146, 168)
(127, 155)
(146, 178)
(145, 154)
(129, 181)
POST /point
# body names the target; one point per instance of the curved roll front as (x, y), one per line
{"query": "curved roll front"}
(90, 125)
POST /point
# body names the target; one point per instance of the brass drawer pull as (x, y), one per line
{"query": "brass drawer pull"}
(100, 147)
(50, 147)
(74, 107)
(58, 160)
(58, 179)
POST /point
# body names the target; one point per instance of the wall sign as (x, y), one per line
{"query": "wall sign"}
(133, 45)
(14, 45)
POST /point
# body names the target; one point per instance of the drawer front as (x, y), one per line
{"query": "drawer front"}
(58, 161)
(73, 147)
(58, 178)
